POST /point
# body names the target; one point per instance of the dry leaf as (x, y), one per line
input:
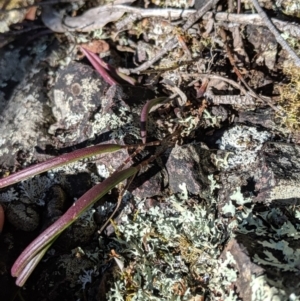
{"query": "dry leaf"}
(96, 46)
(92, 19)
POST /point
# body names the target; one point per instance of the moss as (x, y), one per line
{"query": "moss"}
(172, 253)
(12, 16)
(291, 7)
(290, 99)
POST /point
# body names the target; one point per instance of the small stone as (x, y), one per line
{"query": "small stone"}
(279, 176)
(22, 216)
(188, 164)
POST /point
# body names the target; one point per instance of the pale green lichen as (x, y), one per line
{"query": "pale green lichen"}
(169, 252)
(243, 143)
(276, 233)
(235, 200)
(9, 195)
(90, 87)
(119, 123)
(261, 290)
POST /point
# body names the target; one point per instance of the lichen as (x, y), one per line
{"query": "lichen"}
(243, 142)
(290, 99)
(9, 195)
(172, 253)
(262, 290)
(35, 188)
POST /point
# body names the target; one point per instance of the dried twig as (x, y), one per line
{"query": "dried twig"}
(199, 14)
(239, 75)
(167, 47)
(293, 29)
(213, 76)
(233, 100)
(240, 100)
(276, 33)
(173, 41)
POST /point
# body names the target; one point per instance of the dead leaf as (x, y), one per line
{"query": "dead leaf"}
(96, 46)
(31, 13)
(92, 19)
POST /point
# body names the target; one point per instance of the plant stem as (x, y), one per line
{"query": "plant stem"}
(59, 161)
(276, 33)
(72, 214)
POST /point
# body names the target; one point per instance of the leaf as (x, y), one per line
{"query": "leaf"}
(29, 258)
(99, 65)
(144, 115)
(92, 19)
(103, 67)
(59, 161)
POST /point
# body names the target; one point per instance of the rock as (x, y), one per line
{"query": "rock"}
(245, 267)
(23, 216)
(279, 176)
(241, 145)
(149, 183)
(77, 94)
(189, 164)
(24, 108)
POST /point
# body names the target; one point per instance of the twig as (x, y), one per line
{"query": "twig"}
(233, 100)
(173, 13)
(199, 14)
(239, 75)
(129, 180)
(176, 90)
(240, 100)
(276, 33)
(173, 41)
(167, 47)
(213, 76)
(292, 29)
(174, 67)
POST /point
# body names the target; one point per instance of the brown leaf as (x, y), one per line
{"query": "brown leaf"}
(31, 13)
(96, 46)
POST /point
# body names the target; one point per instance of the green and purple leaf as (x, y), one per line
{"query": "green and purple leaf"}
(59, 161)
(106, 70)
(94, 60)
(144, 115)
(29, 258)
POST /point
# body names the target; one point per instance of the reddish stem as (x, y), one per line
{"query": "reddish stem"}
(99, 66)
(144, 115)
(58, 161)
(72, 214)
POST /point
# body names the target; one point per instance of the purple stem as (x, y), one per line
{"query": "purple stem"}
(20, 268)
(144, 115)
(99, 66)
(26, 272)
(58, 161)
